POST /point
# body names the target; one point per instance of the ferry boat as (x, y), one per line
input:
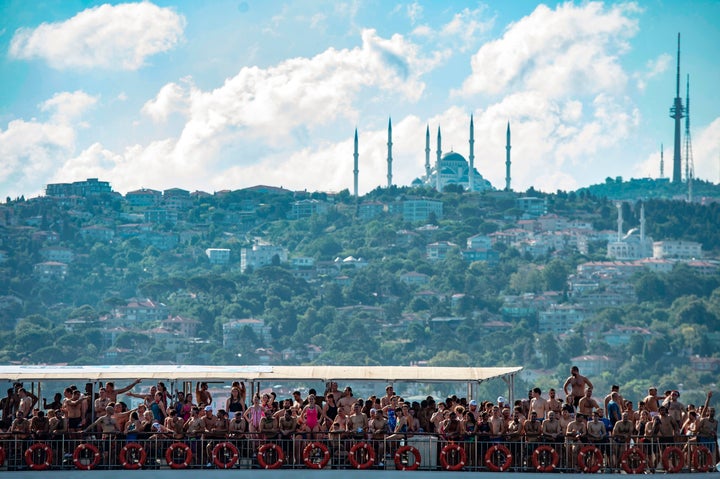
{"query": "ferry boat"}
(329, 455)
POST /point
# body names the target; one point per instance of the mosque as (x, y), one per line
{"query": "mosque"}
(450, 168)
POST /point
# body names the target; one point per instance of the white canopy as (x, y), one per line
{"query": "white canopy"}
(255, 373)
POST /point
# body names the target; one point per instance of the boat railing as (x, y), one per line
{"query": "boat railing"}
(349, 451)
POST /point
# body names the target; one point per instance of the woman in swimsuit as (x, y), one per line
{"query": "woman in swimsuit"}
(311, 417)
(235, 402)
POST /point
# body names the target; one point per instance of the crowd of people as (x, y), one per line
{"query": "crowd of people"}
(610, 421)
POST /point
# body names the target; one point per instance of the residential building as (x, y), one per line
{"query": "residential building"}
(261, 254)
(560, 318)
(141, 311)
(415, 210)
(143, 197)
(89, 187)
(50, 271)
(218, 255)
(531, 206)
(677, 250)
(439, 250)
(234, 331)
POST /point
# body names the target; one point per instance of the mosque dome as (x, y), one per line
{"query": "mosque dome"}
(453, 157)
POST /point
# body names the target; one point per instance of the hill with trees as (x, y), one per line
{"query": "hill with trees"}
(358, 287)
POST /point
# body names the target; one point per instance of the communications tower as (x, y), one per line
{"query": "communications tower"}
(677, 114)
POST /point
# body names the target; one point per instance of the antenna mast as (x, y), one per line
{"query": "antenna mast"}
(689, 166)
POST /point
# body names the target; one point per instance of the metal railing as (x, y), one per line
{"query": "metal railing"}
(419, 451)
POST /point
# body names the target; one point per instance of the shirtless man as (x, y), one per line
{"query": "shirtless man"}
(497, 425)
(553, 404)
(238, 425)
(346, 401)
(652, 402)
(538, 404)
(203, 396)
(73, 408)
(574, 436)
(389, 393)
(551, 429)
(194, 426)
(577, 383)
(101, 402)
(596, 430)
(357, 423)
(587, 404)
(669, 427)
(112, 393)
(106, 423)
(621, 434)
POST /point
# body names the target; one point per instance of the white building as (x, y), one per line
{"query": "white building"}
(261, 254)
(218, 255)
(677, 250)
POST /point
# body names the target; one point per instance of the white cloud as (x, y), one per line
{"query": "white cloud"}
(706, 152)
(271, 104)
(33, 150)
(414, 12)
(171, 98)
(654, 68)
(114, 37)
(66, 106)
(560, 52)
(469, 26)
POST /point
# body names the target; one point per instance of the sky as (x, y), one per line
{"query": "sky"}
(224, 95)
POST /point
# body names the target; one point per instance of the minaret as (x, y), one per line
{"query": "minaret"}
(642, 224)
(618, 205)
(676, 113)
(427, 152)
(507, 158)
(355, 169)
(389, 158)
(662, 162)
(437, 162)
(471, 173)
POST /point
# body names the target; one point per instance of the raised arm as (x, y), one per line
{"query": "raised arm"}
(128, 387)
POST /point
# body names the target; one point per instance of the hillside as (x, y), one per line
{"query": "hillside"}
(400, 276)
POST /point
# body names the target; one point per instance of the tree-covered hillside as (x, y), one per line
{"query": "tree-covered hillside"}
(370, 289)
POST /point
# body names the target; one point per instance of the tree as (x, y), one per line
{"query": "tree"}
(555, 276)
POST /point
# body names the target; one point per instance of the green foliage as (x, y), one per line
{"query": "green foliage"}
(359, 314)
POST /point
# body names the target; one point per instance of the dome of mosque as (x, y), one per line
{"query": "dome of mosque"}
(453, 156)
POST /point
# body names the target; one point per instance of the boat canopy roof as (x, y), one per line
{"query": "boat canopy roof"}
(256, 373)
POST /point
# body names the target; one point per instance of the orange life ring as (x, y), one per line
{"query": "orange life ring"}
(308, 451)
(697, 459)
(30, 456)
(138, 456)
(404, 450)
(2, 456)
(542, 466)
(217, 459)
(633, 455)
(446, 451)
(370, 455)
(490, 454)
(596, 463)
(77, 456)
(668, 454)
(170, 455)
(279, 456)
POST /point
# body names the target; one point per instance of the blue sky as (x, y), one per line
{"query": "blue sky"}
(229, 94)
